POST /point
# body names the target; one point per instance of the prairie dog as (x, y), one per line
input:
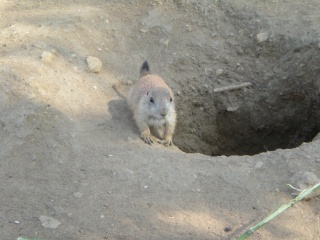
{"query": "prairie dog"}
(152, 103)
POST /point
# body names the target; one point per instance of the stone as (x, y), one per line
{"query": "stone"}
(219, 72)
(94, 64)
(258, 165)
(78, 194)
(49, 222)
(262, 37)
(47, 57)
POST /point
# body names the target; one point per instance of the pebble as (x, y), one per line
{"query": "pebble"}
(219, 72)
(129, 83)
(49, 222)
(262, 37)
(94, 64)
(165, 42)
(47, 57)
(189, 28)
(232, 109)
(227, 229)
(258, 165)
(78, 194)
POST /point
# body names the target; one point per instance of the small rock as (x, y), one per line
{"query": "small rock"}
(49, 222)
(78, 194)
(129, 83)
(165, 42)
(227, 229)
(16, 222)
(262, 37)
(219, 72)
(232, 109)
(94, 64)
(258, 165)
(47, 57)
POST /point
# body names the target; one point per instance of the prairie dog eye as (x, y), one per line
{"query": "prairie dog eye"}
(170, 99)
(151, 100)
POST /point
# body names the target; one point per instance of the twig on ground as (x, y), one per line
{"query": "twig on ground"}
(233, 87)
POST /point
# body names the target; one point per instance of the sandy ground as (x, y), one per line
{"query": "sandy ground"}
(70, 150)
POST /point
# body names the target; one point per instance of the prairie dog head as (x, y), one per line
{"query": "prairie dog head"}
(159, 103)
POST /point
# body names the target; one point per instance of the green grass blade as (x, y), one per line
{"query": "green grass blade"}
(302, 195)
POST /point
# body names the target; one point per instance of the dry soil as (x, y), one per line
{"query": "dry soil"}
(69, 149)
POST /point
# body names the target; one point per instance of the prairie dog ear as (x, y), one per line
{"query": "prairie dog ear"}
(144, 70)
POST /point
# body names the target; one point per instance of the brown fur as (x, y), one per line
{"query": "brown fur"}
(152, 103)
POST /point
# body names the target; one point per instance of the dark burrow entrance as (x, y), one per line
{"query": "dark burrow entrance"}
(281, 109)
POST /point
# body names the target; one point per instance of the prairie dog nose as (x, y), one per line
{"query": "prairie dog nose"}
(164, 112)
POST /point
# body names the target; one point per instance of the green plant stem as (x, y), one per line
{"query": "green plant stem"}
(302, 195)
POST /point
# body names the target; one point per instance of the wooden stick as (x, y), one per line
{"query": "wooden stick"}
(233, 87)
